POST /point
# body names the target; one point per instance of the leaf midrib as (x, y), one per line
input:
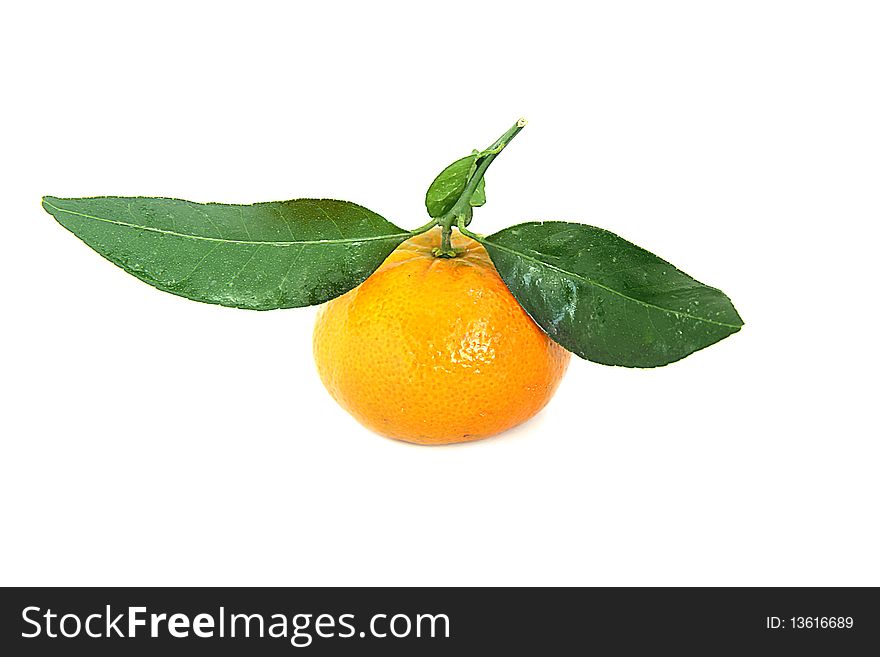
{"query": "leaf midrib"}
(589, 281)
(346, 240)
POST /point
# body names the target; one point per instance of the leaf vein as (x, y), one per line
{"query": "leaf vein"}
(589, 281)
(151, 229)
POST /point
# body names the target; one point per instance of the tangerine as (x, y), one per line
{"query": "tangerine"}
(436, 350)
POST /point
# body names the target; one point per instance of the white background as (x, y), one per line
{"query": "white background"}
(149, 440)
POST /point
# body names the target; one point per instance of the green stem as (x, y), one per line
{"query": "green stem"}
(445, 250)
(462, 207)
(446, 239)
(422, 229)
(464, 231)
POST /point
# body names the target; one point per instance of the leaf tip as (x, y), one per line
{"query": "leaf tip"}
(48, 203)
(739, 323)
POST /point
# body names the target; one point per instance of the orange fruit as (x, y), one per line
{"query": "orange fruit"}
(436, 350)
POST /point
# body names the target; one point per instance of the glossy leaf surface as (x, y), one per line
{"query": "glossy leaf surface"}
(449, 185)
(268, 255)
(606, 299)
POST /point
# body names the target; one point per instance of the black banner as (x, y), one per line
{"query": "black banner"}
(437, 621)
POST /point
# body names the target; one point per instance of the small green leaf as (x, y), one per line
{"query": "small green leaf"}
(479, 196)
(606, 299)
(268, 255)
(449, 185)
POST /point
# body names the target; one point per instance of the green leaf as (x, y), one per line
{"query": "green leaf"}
(448, 187)
(606, 299)
(268, 255)
(479, 197)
